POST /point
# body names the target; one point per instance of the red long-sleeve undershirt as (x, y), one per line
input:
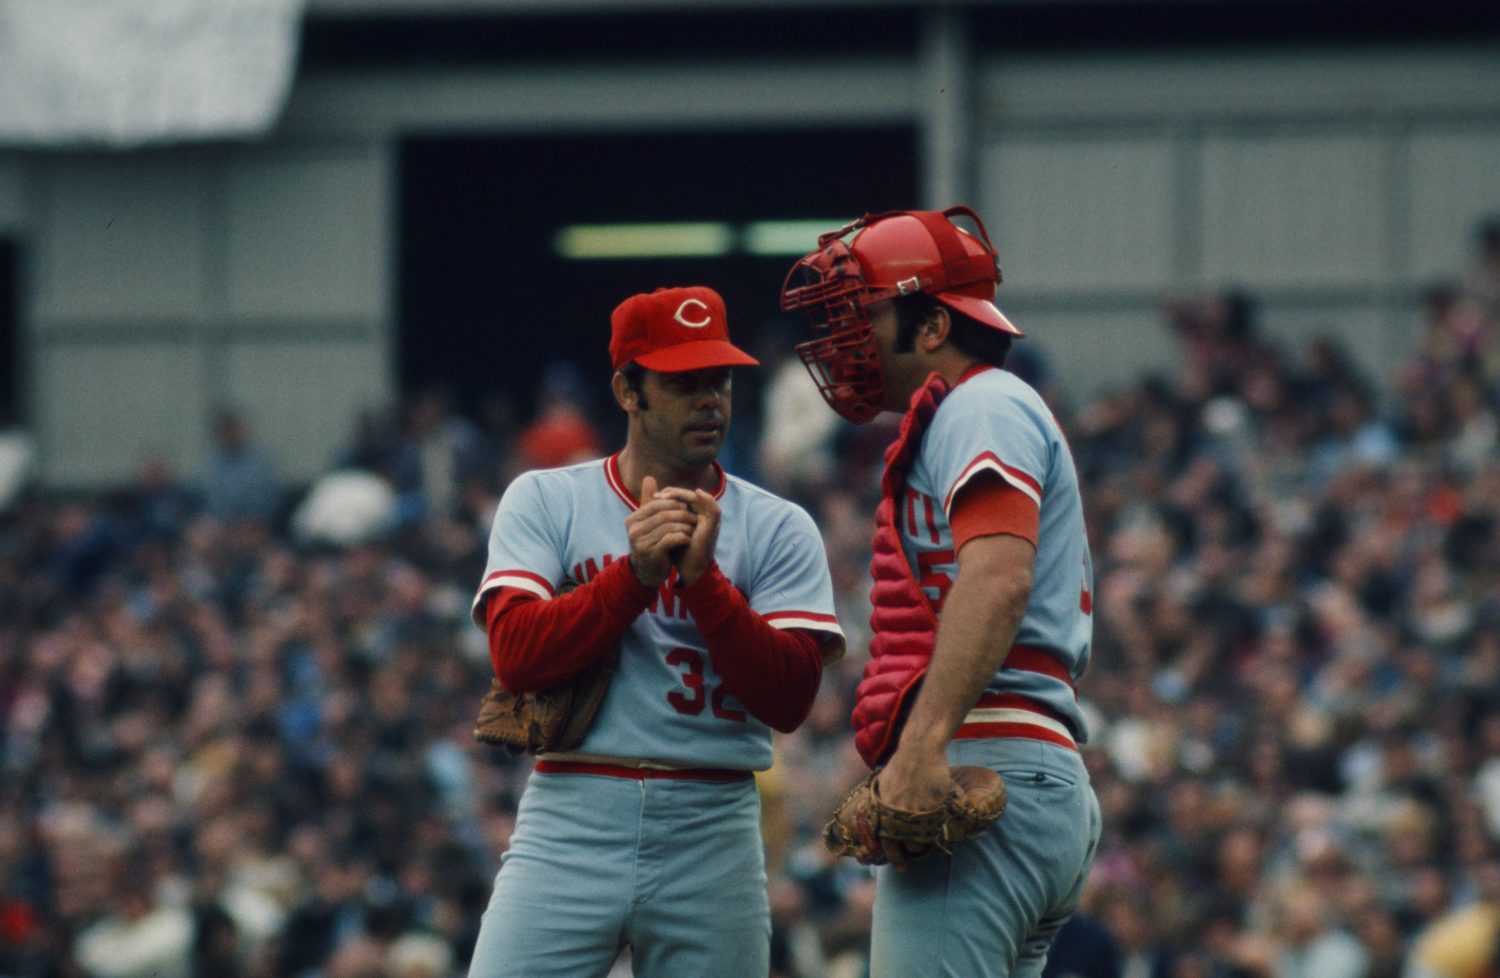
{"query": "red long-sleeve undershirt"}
(774, 672)
(535, 644)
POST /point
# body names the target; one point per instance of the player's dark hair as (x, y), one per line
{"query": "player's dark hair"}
(971, 337)
(633, 374)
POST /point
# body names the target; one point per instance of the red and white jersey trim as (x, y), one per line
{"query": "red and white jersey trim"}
(833, 642)
(989, 462)
(1004, 715)
(804, 619)
(1019, 716)
(617, 483)
(525, 580)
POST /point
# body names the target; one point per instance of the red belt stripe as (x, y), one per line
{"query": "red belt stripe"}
(717, 774)
(1029, 658)
(985, 729)
(1027, 731)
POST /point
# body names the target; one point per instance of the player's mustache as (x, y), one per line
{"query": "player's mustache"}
(715, 418)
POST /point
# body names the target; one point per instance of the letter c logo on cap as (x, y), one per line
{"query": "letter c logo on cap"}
(681, 315)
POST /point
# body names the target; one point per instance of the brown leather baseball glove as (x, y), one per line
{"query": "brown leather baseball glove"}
(874, 833)
(552, 719)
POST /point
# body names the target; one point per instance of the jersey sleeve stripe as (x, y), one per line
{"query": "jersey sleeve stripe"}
(524, 580)
(989, 463)
(521, 579)
(832, 640)
(803, 619)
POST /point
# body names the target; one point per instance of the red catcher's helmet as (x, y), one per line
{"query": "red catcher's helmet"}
(891, 254)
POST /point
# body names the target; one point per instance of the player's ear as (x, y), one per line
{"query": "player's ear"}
(625, 393)
(934, 331)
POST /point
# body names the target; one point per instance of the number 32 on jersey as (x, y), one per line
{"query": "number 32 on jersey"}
(695, 694)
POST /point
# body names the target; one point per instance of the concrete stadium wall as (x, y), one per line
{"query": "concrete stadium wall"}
(160, 285)
(1332, 184)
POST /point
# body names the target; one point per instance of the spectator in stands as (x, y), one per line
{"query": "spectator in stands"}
(1311, 941)
(436, 449)
(241, 481)
(562, 432)
(1464, 943)
(798, 433)
(139, 935)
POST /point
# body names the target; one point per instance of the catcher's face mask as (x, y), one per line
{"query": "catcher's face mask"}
(891, 254)
(830, 287)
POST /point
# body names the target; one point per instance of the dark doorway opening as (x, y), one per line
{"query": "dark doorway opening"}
(487, 303)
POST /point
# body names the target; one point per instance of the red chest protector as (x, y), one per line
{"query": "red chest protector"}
(902, 619)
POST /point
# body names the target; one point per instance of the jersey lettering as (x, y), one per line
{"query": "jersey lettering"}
(722, 710)
(690, 703)
(666, 598)
(921, 525)
(588, 570)
(928, 519)
(690, 661)
(929, 577)
(664, 602)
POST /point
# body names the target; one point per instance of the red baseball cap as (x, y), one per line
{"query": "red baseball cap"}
(672, 330)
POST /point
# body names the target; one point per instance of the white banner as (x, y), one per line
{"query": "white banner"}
(129, 72)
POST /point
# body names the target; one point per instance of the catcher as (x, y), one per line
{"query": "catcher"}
(700, 621)
(980, 608)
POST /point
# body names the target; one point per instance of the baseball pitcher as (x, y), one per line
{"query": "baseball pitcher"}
(709, 601)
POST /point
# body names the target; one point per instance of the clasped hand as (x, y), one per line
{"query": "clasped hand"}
(672, 528)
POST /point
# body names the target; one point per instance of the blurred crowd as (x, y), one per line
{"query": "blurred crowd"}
(235, 716)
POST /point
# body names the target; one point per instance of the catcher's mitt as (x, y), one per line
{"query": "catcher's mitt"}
(551, 719)
(874, 833)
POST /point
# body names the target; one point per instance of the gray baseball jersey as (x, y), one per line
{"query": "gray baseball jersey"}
(665, 703)
(994, 422)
